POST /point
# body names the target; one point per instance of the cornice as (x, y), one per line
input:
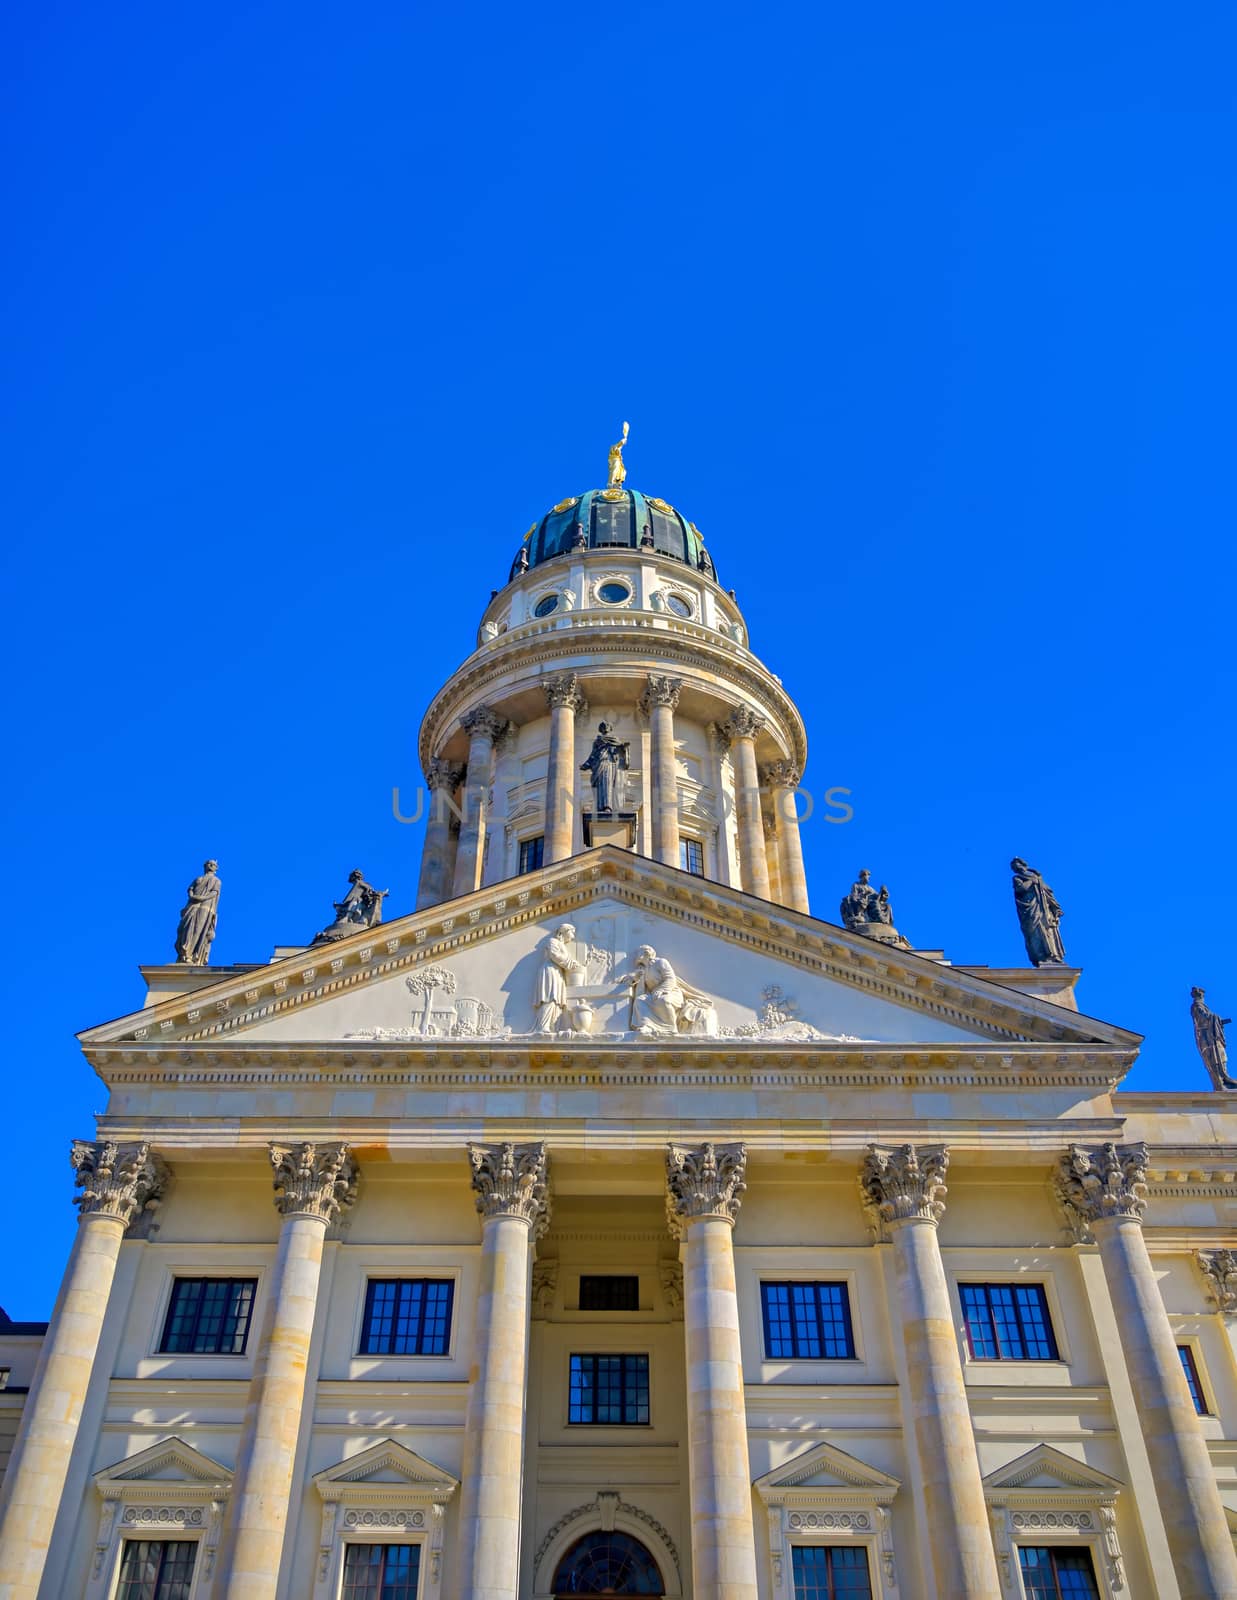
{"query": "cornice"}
(221, 1009)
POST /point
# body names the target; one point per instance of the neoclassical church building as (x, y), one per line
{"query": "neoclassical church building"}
(613, 1224)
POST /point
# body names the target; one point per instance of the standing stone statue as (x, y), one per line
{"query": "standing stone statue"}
(197, 920)
(607, 761)
(1039, 914)
(1209, 1036)
(360, 908)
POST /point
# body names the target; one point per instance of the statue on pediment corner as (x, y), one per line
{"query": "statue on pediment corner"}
(1039, 916)
(1209, 1037)
(867, 910)
(360, 908)
(196, 930)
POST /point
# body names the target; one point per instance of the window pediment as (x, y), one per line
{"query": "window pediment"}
(1046, 1496)
(827, 1496)
(382, 1495)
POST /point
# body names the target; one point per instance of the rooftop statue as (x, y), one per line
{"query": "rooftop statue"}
(360, 908)
(197, 920)
(606, 764)
(618, 472)
(1039, 914)
(867, 910)
(1209, 1037)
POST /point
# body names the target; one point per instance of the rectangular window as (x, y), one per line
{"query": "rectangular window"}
(407, 1317)
(381, 1571)
(532, 853)
(1007, 1322)
(601, 1292)
(807, 1322)
(1190, 1368)
(156, 1569)
(691, 856)
(609, 1391)
(209, 1316)
(830, 1572)
(1064, 1574)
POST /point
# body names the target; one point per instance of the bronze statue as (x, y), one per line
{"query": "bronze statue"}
(197, 920)
(859, 907)
(360, 908)
(1038, 914)
(618, 472)
(1209, 1037)
(607, 761)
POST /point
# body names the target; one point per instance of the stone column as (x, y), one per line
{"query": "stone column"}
(442, 779)
(661, 696)
(704, 1184)
(782, 778)
(1101, 1190)
(512, 1190)
(741, 729)
(773, 865)
(565, 700)
(482, 726)
(727, 861)
(904, 1194)
(313, 1184)
(117, 1182)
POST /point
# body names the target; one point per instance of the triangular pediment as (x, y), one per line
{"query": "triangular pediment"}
(1050, 1471)
(169, 1461)
(825, 1467)
(384, 1464)
(751, 972)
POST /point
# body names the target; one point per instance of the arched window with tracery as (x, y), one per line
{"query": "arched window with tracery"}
(608, 1563)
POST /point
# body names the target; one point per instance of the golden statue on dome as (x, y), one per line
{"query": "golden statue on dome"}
(618, 472)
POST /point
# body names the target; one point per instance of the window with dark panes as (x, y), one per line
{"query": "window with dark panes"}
(807, 1321)
(407, 1317)
(668, 535)
(1190, 1367)
(1061, 1574)
(532, 853)
(209, 1316)
(156, 1569)
(612, 520)
(609, 1390)
(830, 1572)
(381, 1571)
(1007, 1322)
(609, 1292)
(691, 856)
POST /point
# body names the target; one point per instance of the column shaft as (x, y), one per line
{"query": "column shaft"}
(1194, 1520)
(565, 700)
(40, 1461)
(482, 726)
(794, 878)
(661, 696)
(773, 863)
(434, 885)
(753, 866)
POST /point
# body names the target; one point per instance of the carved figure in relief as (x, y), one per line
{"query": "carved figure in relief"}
(618, 472)
(607, 761)
(550, 999)
(360, 908)
(660, 1004)
(1209, 1037)
(197, 920)
(1038, 914)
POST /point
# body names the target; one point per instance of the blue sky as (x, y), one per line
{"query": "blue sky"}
(923, 313)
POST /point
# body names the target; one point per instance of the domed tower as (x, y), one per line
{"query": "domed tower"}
(612, 699)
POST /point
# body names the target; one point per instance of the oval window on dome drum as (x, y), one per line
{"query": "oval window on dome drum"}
(608, 1563)
(680, 606)
(614, 592)
(544, 606)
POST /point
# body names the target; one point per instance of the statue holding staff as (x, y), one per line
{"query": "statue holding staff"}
(197, 920)
(1209, 1037)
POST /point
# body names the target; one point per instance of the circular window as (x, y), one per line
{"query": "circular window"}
(545, 605)
(613, 594)
(677, 604)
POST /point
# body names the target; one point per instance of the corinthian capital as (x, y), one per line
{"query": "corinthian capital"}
(116, 1180)
(742, 723)
(442, 774)
(780, 775)
(1219, 1268)
(661, 691)
(1104, 1183)
(315, 1180)
(482, 720)
(564, 690)
(512, 1180)
(704, 1180)
(904, 1184)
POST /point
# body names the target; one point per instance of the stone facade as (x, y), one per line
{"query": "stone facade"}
(611, 1120)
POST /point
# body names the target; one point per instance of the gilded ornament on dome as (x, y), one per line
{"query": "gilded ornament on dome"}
(567, 505)
(614, 494)
(529, 534)
(618, 468)
(659, 505)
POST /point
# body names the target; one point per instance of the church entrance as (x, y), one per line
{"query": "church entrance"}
(607, 1563)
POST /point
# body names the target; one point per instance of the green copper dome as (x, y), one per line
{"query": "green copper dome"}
(613, 519)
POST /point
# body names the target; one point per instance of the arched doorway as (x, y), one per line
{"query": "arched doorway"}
(607, 1563)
